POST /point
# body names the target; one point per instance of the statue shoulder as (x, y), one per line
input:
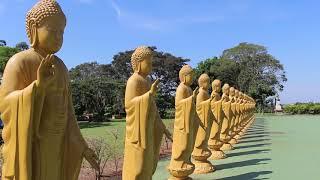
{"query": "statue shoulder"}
(22, 60)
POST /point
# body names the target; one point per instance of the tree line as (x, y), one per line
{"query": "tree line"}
(98, 89)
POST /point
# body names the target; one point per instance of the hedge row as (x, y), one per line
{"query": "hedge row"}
(303, 108)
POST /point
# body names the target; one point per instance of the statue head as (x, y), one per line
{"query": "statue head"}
(236, 93)
(186, 75)
(240, 95)
(45, 24)
(141, 60)
(204, 81)
(232, 91)
(216, 86)
(226, 89)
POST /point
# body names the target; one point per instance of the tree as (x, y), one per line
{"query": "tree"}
(249, 68)
(166, 67)
(3, 43)
(223, 69)
(5, 54)
(94, 95)
(22, 46)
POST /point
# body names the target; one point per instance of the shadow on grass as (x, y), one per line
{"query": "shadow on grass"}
(257, 133)
(248, 176)
(255, 136)
(248, 152)
(250, 162)
(85, 125)
(253, 146)
(254, 140)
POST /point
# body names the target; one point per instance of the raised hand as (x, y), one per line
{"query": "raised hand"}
(154, 87)
(46, 71)
(92, 158)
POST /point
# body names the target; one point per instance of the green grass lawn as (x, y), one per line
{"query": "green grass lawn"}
(102, 130)
(277, 147)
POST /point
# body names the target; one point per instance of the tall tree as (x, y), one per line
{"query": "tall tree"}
(22, 46)
(250, 68)
(3, 43)
(5, 54)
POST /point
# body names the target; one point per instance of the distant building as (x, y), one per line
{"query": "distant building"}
(278, 107)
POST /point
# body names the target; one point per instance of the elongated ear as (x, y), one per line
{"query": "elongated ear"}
(33, 34)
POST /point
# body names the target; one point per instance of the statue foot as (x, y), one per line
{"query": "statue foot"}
(216, 155)
(237, 137)
(203, 167)
(227, 147)
(233, 141)
(181, 173)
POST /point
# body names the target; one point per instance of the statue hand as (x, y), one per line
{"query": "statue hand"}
(154, 87)
(92, 158)
(195, 92)
(46, 72)
(168, 134)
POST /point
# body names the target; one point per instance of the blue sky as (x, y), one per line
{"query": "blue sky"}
(98, 29)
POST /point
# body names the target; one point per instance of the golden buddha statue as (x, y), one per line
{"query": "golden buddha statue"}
(238, 115)
(201, 152)
(185, 126)
(242, 116)
(227, 116)
(232, 133)
(41, 136)
(144, 127)
(214, 142)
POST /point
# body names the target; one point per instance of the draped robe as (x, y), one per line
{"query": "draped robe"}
(41, 137)
(205, 115)
(144, 130)
(185, 126)
(216, 108)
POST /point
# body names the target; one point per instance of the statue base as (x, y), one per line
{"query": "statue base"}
(181, 173)
(237, 137)
(227, 147)
(203, 167)
(233, 141)
(176, 178)
(216, 155)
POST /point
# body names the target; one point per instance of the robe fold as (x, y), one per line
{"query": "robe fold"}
(205, 115)
(214, 139)
(185, 126)
(32, 118)
(144, 131)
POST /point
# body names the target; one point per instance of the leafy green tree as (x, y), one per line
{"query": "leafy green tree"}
(223, 69)
(3, 43)
(22, 46)
(5, 54)
(94, 95)
(249, 68)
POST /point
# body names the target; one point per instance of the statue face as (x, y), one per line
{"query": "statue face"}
(216, 88)
(189, 79)
(146, 66)
(205, 85)
(50, 34)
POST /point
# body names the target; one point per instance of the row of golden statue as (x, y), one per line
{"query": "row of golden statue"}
(42, 140)
(204, 126)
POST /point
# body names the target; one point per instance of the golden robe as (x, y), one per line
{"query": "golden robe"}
(205, 115)
(144, 130)
(41, 137)
(227, 116)
(185, 127)
(216, 108)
